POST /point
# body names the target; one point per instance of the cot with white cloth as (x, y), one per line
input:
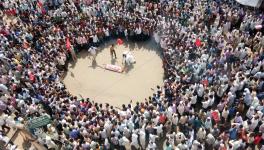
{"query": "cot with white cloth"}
(114, 68)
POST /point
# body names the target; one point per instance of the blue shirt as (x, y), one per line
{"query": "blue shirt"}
(74, 134)
(233, 133)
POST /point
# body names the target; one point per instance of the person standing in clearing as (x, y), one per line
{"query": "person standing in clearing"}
(70, 49)
(112, 52)
(92, 50)
(73, 54)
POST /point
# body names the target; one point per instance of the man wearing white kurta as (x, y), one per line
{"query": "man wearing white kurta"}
(135, 140)
(92, 50)
(142, 138)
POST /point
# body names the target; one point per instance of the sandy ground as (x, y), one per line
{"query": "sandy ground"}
(92, 80)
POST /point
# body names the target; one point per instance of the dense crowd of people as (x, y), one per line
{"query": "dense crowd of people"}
(212, 97)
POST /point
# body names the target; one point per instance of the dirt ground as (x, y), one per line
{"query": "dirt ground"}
(91, 80)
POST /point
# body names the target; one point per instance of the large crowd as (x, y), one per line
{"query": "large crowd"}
(212, 97)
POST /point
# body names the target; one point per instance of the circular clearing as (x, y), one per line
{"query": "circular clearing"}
(90, 80)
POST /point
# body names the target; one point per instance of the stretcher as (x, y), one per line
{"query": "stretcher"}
(114, 68)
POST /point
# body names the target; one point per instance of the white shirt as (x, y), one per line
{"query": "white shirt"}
(130, 125)
(138, 30)
(134, 138)
(126, 142)
(92, 50)
(254, 124)
(181, 108)
(3, 88)
(194, 99)
(206, 104)
(156, 37)
(152, 146)
(211, 101)
(125, 32)
(180, 137)
(175, 120)
(169, 112)
(106, 31)
(3, 117)
(159, 129)
(103, 134)
(142, 136)
(200, 90)
(95, 38)
(152, 137)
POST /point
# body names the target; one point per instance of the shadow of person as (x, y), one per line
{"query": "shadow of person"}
(83, 55)
(72, 74)
(72, 64)
(128, 68)
(140, 45)
(132, 46)
(113, 61)
(94, 64)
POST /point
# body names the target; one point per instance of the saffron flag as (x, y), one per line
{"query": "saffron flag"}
(31, 76)
(198, 42)
(215, 116)
(205, 82)
(68, 43)
(39, 4)
(41, 8)
(119, 41)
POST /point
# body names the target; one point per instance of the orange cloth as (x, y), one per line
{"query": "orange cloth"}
(198, 42)
(68, 44)
(215, 116)
(119, 41)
